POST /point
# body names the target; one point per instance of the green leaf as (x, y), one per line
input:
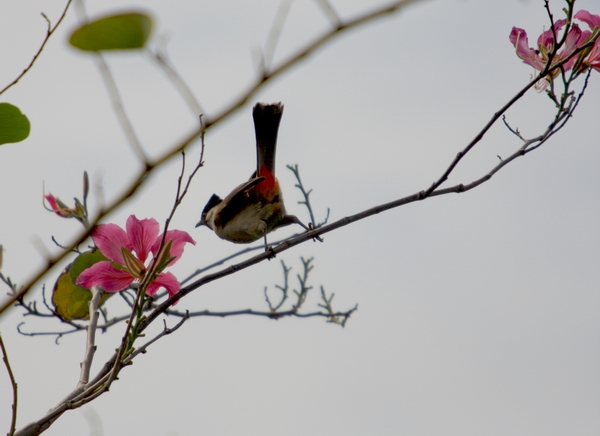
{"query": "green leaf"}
(70, 301)
(14, 126)
(116, 32)
(84, 261)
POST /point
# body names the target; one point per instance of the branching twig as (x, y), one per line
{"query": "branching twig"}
(269, 314)
(334, 317)
(302, 280)
(284, 289)
(76, 328)
(166, 331)
(513, 131)
(306, 202)
(49, 33)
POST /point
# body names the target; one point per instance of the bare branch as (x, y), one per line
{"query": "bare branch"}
(76, 328)
(13, 382)
(90, 349)
(267, 54)
(272, 315)
(303, 280)
(329, 12)
(162, 59)
(306, 202)
(335, 317)
(283, 288)
(119, 108)
(49, 33)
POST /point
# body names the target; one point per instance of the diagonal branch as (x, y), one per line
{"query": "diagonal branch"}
(49, 33)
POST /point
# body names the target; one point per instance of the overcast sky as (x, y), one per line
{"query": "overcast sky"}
(479, 313)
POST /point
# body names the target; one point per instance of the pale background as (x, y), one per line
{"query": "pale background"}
(479, 314)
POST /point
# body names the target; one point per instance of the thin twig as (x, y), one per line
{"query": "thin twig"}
(75, 329)
(333, 316)
(162, 60)
(272, 315)
(306, 194)
(166, 331)
(329, 12)
(119, 108)
(49, 33)
(283, 288)
(302, 280)
(267, 54)
(13, 382)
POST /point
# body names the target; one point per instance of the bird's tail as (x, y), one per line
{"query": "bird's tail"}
(266, 125)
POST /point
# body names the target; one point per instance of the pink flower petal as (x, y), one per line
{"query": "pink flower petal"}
(142, 235)
(106, 275)
(518, 37)
(109, 238)
(547, 38)
(591, 20)
(179, 238)
(584, 35)
(165, 280)
(53, 203)
(593, 59)
(61, 211)
(571, 41)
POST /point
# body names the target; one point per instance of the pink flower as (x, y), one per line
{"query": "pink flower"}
(78, 212)
(125, 267)
(590, 19)
(59, 207)
(538, 58)
(593, 58)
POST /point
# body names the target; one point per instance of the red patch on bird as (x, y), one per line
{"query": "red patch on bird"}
(269, 187)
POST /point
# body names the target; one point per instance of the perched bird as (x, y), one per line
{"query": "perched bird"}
(254, 208)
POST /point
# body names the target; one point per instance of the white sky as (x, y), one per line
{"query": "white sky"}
(479, 314)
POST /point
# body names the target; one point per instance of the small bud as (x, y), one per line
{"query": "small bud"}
(86, 186)
(58, 207)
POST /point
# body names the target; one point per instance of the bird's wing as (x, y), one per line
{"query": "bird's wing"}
(236, 201)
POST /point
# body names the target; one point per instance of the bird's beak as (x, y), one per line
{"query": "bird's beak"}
(201, 223)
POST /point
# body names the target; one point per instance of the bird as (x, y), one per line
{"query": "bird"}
(255, 207)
